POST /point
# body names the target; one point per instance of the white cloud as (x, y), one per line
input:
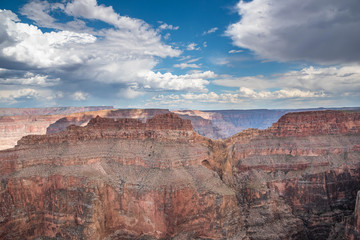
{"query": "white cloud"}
(79, 96)
(29, 45)
(192, 46)
(166, 26)
(334, 81)
(213, 97)
(74, 52)
(12, 96)
(235, 51)
(167, 36)
(193, 60)
(244, 97)
(280, 94)
(212, 30)
(31, 79)
(168, 81)
(219, 60)
(186, 65)
(322, 31)
(130, 93)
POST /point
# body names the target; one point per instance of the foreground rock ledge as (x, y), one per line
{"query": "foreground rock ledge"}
(126, 179)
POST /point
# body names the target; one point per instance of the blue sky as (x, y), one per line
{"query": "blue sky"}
(202, 54)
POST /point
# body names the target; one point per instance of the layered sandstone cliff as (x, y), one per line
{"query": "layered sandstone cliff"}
(299, 178)
(30, 121)
(115, 179)
(18, 122)
(153, 179)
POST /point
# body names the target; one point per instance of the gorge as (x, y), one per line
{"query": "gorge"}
(156, 178)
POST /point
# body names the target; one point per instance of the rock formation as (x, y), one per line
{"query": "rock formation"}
(298, 179)
(18, 122)
(115, 179)
(153, 179)
(353, 224)
(219, 124)
(28, 121)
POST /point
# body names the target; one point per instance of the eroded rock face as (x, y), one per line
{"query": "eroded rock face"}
(128, 178)
(18, 122)
(115, 179)
(307, 163)
(353, 224)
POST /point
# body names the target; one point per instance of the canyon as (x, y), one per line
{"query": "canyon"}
(156, 178)
(217, 124)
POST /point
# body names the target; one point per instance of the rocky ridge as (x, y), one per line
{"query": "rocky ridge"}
(115, 179)
(125, 178)
(307, 163)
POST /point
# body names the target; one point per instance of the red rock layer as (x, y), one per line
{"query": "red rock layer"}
(317, 123)
(307, 162)
(124, 178)
(115, 179)
(353, 224)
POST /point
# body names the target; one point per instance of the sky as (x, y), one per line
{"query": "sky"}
(180, 54)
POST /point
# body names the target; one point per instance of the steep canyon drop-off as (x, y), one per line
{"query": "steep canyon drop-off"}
(124, 178)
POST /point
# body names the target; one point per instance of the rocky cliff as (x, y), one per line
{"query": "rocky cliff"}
(298, 179)
(30, 121)
(18, 122)
(115, 179)
(219, 124)
(353, 223)
(153, 179)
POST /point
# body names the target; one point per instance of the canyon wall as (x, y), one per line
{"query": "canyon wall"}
(218, 124)
(30, 121)
(298, 179)
(115, 179)
(121, 178)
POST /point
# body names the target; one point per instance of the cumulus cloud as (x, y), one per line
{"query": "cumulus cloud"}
(31, 79)
(192, 47)
(130, 93)
(165, 26)
(212, 30)
(280, 94)
(322, 31)
(186, 65)
(72, 52)
(169, 81)
(334, 81)
(235, 51)
(79, 96)
(242, 95)
(12, 96)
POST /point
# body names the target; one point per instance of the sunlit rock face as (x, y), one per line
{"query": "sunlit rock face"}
(115, 179)
(18, 122)
(156, 178)
(298, 179)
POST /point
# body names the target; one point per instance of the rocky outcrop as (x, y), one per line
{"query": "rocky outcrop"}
(81, 119)
(13, 128)
(26, 121)
(18, 122)
(353, 224)
(115, 179)
(118, 178)
(307, 163)
(219, 124)
(222, 124)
